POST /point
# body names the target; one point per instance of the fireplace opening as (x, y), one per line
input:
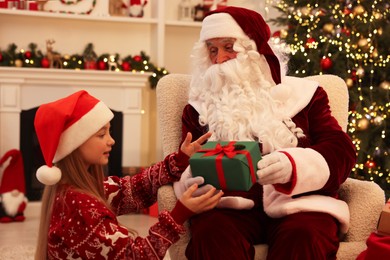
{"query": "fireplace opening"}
(33, 158)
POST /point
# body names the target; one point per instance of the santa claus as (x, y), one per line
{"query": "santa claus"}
(12, 189)
(240, 92)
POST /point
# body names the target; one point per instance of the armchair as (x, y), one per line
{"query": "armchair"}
(365, 199)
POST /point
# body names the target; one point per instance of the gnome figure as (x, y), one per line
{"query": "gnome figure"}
(12, 188)
(136, 8)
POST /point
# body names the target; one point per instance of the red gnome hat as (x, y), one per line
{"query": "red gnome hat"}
(13, 175)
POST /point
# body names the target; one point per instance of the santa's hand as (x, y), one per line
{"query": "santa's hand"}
(186, 181)
(230, 202)
(274, 168)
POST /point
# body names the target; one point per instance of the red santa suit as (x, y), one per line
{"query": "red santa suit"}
(303, 217)
(326, 151)
(82, 227)
(13, 201)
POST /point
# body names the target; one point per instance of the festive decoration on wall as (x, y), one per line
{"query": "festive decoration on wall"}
(88, 60)
(348, 38)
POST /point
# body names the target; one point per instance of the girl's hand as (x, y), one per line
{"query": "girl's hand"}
(201, 203)
(190, 148)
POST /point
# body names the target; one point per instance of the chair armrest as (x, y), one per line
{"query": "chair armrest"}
(166, 198)
(365, 200)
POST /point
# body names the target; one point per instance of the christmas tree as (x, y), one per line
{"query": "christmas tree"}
(348, 38)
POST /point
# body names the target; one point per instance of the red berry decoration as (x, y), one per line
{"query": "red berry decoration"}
(45, 63)
(137, 58)
(1, 57)
(126, 66)
(326, 63)
(27, 54)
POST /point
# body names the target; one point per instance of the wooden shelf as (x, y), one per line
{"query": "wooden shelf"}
(120, 19)
(183, 23)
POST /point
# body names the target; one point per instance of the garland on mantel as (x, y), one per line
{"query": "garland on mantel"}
(88, 60)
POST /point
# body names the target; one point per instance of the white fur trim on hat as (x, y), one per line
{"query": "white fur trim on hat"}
(220, 25)
(82, 130)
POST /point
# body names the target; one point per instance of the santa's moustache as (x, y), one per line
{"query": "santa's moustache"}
(237, 105)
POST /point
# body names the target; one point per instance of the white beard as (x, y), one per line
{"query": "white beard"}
(236, 104)
(12, 201)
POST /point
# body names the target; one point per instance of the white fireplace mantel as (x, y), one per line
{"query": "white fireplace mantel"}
(26, 88)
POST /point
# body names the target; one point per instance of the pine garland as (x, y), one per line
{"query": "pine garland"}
(34, 58)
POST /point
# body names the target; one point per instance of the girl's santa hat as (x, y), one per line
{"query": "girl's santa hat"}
(63, 125)
(13, 175)
(241, 23)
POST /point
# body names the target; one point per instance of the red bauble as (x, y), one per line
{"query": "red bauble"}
(353, 75)
(1, 57)
(346, 31)
(45, 63)
(137, 58)
(370, 164)
(310, 42)
(27, 54)
(326, 63)
(90, 65)
(126, 66)
(276, 34)
(102, 65)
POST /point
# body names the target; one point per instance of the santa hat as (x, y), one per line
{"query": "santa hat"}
(13, 175)
(63, 125)
(241, 23)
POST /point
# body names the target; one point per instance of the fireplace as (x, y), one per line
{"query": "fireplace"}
(22, 90)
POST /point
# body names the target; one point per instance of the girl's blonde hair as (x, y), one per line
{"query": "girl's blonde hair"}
(75, 175)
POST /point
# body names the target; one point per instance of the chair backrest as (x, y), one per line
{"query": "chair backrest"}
(172, 96)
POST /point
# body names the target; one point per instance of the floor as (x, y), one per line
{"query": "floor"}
(18, 239)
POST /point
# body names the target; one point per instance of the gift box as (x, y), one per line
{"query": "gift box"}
(384, 221)
(229, 166)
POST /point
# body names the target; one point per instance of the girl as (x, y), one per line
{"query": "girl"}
(80, 205)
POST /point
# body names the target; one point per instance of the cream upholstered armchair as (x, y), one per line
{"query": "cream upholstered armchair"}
(365, 199)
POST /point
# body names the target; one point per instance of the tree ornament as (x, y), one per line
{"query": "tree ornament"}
(126, 66)
(385, 85)
(90, 65)
(326, 63)
(353, 75)
(362, 124)
(349, 82)
(18, 63)
(1, 57)
(27, 55)
(347, 11)
(375, 53)
(328, 27)
(311, 43)
(346, 31)
(102, 65)
(276, 34)
(360, 72)
(45, 63)
(378, 120)
(358, 10)
(370, 164)
(137, 58)
(363, 43)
